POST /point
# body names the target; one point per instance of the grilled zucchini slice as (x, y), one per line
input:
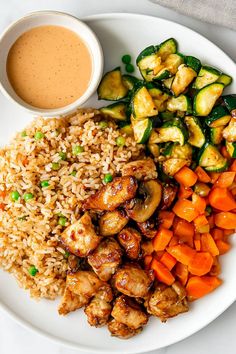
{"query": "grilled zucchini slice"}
(231, 148)
(219, 116)
(172, 130)
(115, 110)
(143, 104)
(206, 98)
(180, 103)
(171, 166)
(183, 78)
(166, 48)
(216, 135)
(229, 132)
(142, 129)
(193, 63)
(207, 75)
(149, 63)
(196, 133)
(159, 97)
(225, 79)
(177, 151)
(129, 81)
(111, 87)
(211, 159)
(230, 102)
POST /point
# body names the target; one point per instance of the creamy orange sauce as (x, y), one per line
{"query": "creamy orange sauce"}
(49, 67)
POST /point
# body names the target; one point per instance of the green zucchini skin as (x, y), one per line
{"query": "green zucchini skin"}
(167, 47)
(130, 81)
(207, 75)
(211, 159)
(111, 87)
(115, 110)
(230, 102)
(216, 135)
(225, 79)
(145, 53)
(206, 98)
(219, 116)
(196, 133)
(193, 63)
(231, 148)
(172, 130)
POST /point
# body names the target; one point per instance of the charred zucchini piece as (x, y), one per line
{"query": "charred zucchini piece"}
(231, 148)
(207, 75)
(230, 102)
(180, 103)
(211, 159)
(225, 79)
(129, 81)
(219, 116)
(111, 87)
(115, 110)
(143, 104)
(166, 48)
(183, 78)
(142, 129)
(196, 133)
(216, 135)
(193, 63)
(172, 130)
(206, 98)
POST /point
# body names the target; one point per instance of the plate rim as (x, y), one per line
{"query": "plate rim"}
(67, 343)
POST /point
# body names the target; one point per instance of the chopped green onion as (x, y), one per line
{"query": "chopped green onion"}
(129, 68)
(73, 173)
(33, 270)
(103, 124)
(77, 149)
(120, 141)
(107, 178)
(62, 220)
(15, 196)
(38, 135)
(66, 254)
(23, 134)
(28, 196)
(62, 155)
(126, 59)
(44, 184)
(55, 166)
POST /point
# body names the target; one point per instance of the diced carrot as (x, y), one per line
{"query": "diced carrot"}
(174, 241)
(184, 230)
(166, 218)
(217, 234)
(147, 261)
(233, 191)
(226, 179)
(223, 246)
(202, 175)
(211, 221)
(184, 192)
(209, 245)
(158, 254)
(162, 273)
(197, 245)
(168, 260)
(199, 203)
(201, 224)
(226, 220)
(186, 177)
(216, 268)
(222, 199)
(185, 209)
(162, 238)
(200, 286)
(201, 263)
(181, 272)
(228, 232)
(233, 166)
(214, 176)
(182, 253)
(225, 153)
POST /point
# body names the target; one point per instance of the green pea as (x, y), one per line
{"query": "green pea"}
(73, 173)
(77, 149)
(44, 184)
(32, 270)
(23, 134)
(126, 59)
(120, 141)
(15, 196)
(66, 254)
(55, 166)
(38, 135)
(107, 178)
(129, 68)
(103, 124)
(62, 220)
(62, 155)
(28, 196)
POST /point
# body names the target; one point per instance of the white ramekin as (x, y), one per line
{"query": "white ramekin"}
(41, 18)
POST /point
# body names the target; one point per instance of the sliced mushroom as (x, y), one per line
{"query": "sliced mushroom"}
(141, 210)
(140, 169)
(112, 222)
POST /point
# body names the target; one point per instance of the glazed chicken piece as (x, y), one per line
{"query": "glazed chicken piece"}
(129, 312)
(122, 331)
(148, 228)
(71, 302)
(130, 239)
(106, 258)
(84, 283)
(140, 169)
(80, 238)
(147, 248)
(167, 301)
(133, 281)
(112, 195)
(168, 195)
(99, 309)
(112, 222)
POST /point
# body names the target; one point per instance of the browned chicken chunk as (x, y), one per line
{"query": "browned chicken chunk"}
(148, 228)
(99, 309)
(71, 302)
(130, 239)
(129, 312)
(106, 258)
(167, 301)
(84, 283)
(147, 248)
(133, 281)
(168, 196)
(80, 238)
(122, 331)
(140, 169)
(112, 222)
(112, 195)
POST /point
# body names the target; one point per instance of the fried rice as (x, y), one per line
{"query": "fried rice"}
(29, 229)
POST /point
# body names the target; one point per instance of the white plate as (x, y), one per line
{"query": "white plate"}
(120, 34)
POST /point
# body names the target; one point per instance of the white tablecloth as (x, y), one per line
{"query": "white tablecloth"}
(219, 337)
